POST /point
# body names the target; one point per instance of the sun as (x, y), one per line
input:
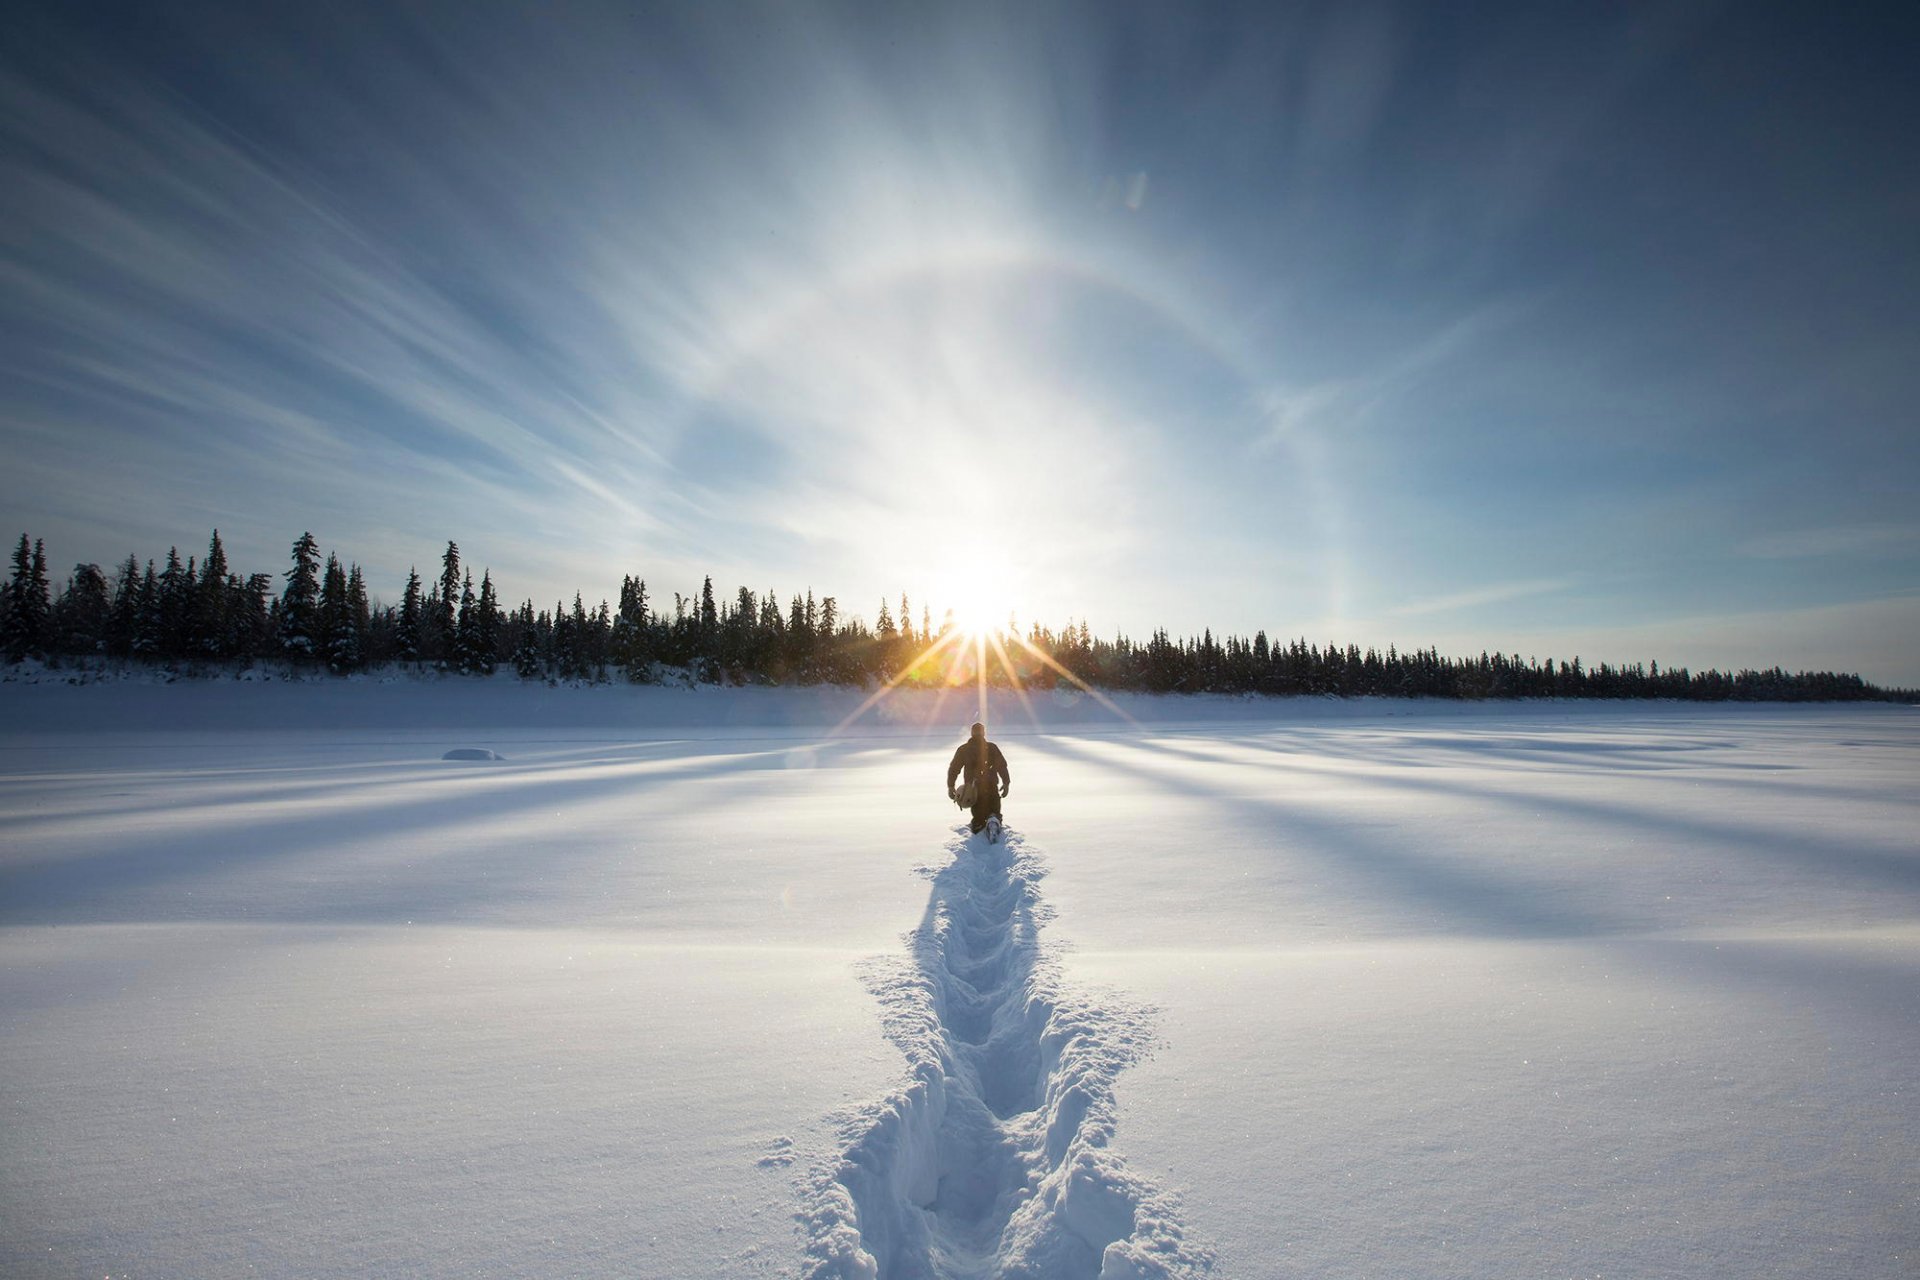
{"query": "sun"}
(979, 612)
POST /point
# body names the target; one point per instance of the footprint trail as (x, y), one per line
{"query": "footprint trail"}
(992, 1160)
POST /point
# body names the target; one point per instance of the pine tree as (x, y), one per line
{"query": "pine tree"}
(146, 635)
(599, 631)
(633, 636)
(407, 634)
(336, 619)
(254, 628)
(26, 611)
(827, 649)
(526, 653)
(445, 631)
(125, 620)
(359, 615)
(176, 606)
(709, 620)
(464, 658)
(486, 627)
(214, 569)
(578, 658)
(799, 637)
(741, 631)
(300, 635)
(16, 631)
(208, 626)
(37, 608)
(83, 613)
(565, 659)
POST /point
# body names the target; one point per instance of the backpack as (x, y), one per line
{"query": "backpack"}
(970, 791)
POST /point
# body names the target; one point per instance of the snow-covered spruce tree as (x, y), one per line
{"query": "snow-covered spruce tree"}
(335, 630)
(17, 636)
(799, 639)
(407, 631)
(207, 632)
(709, 618)
(82, 613)
(359, 615)
(486, 627)
(739, 638)
(445, 612)
(600, 634)
(562, 653)
(176, 603)
(300, 636)
(253, 622)
(827, 646)
(632, 632)
(463, 624)
(233, 614)
(527, 662)
(37, 605)
(768, 636)
(578, 664)
(125, 620)
(147, 626)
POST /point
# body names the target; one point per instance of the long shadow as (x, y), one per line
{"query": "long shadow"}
(124, 882)
(1498, 906)
(1810, 978)
(232, 789)
(1889, 868)
(1385, 748)
(1602, 758)
(1804, 976)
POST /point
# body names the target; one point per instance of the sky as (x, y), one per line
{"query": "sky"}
(1548, 328)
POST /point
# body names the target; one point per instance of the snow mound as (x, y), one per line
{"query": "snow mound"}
(993, 1159)
(472, 753)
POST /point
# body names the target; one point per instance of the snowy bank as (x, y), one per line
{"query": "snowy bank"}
(505, 701)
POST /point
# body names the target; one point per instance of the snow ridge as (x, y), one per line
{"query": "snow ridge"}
(993, 1159)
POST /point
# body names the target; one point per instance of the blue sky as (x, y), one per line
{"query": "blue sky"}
(1550, 328)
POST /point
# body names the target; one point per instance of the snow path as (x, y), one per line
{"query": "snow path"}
(994, 1159)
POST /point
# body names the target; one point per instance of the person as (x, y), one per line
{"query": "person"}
(985, 774)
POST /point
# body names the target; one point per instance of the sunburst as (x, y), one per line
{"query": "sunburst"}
(980, 636)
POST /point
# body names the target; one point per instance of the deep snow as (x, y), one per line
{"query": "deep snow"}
(685, 984)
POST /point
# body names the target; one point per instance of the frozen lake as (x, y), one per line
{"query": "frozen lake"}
(689, 984)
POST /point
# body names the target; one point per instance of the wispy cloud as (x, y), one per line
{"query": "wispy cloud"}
(1838, 540)
(843, 297)
(1342, 406)
(1479, 597)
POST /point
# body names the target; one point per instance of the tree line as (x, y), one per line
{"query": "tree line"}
(317, 615)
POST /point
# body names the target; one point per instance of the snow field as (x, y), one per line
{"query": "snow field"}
(689, 985)
(225, 1100)
(1637, 997)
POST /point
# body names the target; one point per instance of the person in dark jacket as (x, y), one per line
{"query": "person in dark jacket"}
(986, 777)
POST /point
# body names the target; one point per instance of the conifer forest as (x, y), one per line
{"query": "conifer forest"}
(200, 615)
